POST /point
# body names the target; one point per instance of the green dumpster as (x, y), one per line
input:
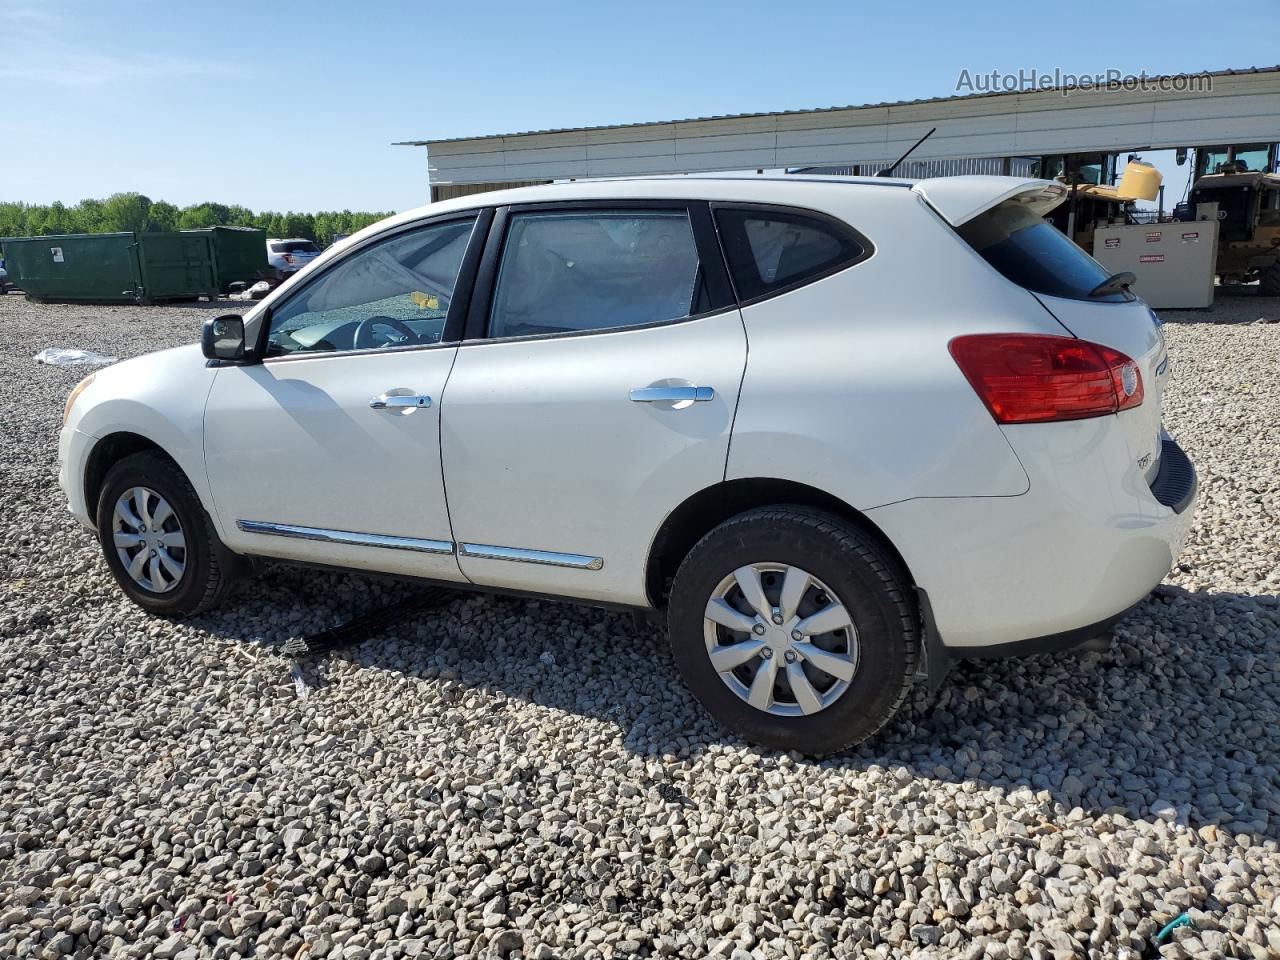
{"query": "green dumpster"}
(239, 253)
(112, 267)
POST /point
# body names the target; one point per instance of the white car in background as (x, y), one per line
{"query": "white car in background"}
(837, 432)
(290, 256)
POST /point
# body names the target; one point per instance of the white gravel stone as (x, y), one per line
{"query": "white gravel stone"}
(519, 778)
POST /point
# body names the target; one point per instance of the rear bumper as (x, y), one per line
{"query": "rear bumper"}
(1175, 484)
(1060, 563)
(1053, 643)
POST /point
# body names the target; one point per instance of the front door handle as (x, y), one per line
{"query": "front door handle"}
(677, 394)
(384, 401)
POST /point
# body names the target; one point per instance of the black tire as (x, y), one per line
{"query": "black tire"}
(865, 578)
(1270, 286)
(209, 567)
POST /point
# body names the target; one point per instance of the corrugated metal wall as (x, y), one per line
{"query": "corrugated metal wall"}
(447, 191)
(1240, 108)
(923, 169)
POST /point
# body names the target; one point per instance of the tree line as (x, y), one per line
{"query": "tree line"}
(138, 213)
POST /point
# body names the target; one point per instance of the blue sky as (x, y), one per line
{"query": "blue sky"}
(294, 105)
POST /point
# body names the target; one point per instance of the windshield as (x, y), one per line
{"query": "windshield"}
(1249, 158)
(1035, 255)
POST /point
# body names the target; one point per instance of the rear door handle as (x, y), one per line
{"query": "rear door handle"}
(677, 394)
(385, 401)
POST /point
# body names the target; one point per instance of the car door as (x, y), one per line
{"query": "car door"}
(329, 449)
(594, 393)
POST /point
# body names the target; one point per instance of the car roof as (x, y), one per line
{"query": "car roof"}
(969, 190)
(953, 197)
(776, 188)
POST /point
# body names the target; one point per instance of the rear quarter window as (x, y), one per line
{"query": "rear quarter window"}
(1034, 254)
(770, 251)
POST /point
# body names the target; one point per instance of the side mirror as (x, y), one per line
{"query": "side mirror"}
(223, 337)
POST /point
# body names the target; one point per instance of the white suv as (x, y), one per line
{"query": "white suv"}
(290, 256)
(838, 431)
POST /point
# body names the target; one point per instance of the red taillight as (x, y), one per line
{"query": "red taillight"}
(287, 258)
(1033, 378)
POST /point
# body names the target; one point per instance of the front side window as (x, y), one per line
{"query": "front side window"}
(393, 294)
(1034, 254)
(577, 271)
(770, 251)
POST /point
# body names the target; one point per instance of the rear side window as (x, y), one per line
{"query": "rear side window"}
(770, 251)
(577, 271)
(1034, 254)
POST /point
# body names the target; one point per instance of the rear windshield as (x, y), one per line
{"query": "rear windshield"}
(295, 246)
(1035, 254)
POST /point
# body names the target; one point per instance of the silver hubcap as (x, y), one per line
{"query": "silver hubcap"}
(780, 639)
(149, 540)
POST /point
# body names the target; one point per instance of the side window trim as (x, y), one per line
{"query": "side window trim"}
(710, 258)
(482, 296)
(867, 248)
(458, 305)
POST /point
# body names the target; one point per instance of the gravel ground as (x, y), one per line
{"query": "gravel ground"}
(513, 778)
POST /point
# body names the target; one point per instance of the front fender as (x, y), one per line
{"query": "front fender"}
(160, 397)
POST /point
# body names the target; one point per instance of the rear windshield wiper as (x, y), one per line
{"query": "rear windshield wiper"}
(1116, 283)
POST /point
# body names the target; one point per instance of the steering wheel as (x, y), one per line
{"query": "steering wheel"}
(363, 337)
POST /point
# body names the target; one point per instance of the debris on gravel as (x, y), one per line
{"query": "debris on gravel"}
(524, 779)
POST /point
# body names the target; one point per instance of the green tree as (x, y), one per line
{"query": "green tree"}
(136, 212)
(239, 216)
(58, 219)
(45, 221)
(162, 216)
(89, 216)
(13, 220)
(325, 226)
(299, 225)
(126, 211)
(205, 215)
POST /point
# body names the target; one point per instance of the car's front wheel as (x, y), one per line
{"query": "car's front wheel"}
(158, 540)
(795, 629)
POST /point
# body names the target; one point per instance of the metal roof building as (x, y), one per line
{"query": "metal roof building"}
(1226, 106)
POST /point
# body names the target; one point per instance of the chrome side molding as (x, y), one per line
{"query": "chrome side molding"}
(346, 537)
(545, 557)
(479, 551)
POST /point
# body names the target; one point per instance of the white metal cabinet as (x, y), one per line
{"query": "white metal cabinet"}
(544, 450)
(295, 444)
(1174, 263)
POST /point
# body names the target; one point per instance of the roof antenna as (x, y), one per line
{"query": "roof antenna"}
(888, 171)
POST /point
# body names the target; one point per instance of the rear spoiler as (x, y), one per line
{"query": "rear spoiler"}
(959, 199)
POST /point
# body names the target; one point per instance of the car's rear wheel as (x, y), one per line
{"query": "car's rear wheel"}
(795, 629)
(158, 540)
